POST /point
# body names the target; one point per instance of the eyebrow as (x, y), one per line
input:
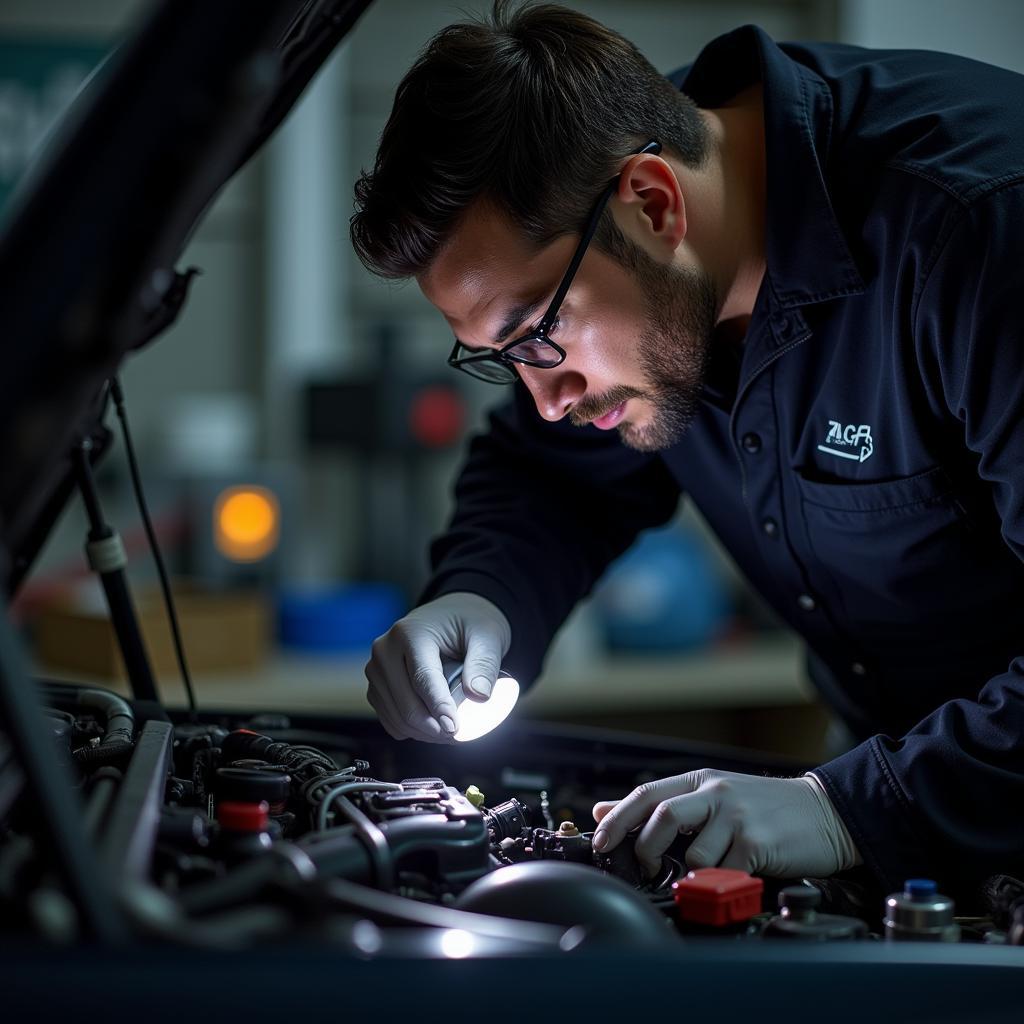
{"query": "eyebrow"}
(516, 316)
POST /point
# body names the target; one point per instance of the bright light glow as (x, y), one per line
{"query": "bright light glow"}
(367, 938)
(457, 944)
(246, 523)
(476, 718)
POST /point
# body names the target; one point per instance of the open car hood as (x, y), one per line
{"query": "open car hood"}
(88, 254)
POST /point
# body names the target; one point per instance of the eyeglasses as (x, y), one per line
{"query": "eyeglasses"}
(498, 366)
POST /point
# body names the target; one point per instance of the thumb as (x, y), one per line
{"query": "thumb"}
(480, 669)
(602, 807)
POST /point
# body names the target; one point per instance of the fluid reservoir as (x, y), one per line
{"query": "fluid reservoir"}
(920, 914)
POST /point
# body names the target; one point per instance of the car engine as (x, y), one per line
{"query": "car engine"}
(225, 834)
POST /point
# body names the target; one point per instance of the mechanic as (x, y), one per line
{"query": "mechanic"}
(789, 277)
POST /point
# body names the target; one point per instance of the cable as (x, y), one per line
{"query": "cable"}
(309, 791)
(375, 840)
(376, 843)
(348, 787)
(118, 395)
(310, 787)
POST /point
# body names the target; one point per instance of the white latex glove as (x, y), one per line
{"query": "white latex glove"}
(408, 689)
(783, 828)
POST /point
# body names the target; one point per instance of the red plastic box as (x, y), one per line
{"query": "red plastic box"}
(718, 896)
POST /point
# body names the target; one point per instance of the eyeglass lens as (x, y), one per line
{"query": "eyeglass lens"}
(493, 372)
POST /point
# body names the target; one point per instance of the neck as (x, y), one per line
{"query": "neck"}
(728, 233)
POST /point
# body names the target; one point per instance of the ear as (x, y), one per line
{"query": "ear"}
(653, 201)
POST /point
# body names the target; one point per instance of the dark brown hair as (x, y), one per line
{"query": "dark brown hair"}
(534, 109)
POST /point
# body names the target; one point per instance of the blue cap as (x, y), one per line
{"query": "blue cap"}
(919, 888)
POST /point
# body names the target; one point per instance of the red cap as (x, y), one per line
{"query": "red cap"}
(718, 896)
(244, 817)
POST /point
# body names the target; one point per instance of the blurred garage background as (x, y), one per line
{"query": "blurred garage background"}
(299, 432)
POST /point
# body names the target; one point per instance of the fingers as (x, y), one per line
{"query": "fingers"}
(481, 666)
(408, 690)
(428, 689)
(669, 818)
(407, 685)
(714, 841)
(639, 806)
(741, 856)
(381, 702)
(753, 824)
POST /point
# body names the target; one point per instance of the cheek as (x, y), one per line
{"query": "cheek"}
(609, 346)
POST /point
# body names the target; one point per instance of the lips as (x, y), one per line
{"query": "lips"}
(610, 419)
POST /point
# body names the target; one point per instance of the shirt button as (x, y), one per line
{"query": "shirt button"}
(751, 443)
(770, 527)
(858, 669)
(807, 602)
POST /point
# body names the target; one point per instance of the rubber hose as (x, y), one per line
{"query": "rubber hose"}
(119, 715)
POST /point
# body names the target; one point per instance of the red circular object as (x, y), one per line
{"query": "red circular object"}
(437, 416)
(244, 817)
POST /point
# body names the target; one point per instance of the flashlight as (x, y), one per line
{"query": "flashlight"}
(476, 718)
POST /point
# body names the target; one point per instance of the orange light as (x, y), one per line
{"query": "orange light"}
(246, 523)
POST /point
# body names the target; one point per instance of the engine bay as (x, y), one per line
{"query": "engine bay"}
(230, 832)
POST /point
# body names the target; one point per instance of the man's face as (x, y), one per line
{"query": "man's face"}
(636, 333)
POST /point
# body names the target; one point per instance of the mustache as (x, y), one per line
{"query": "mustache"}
(590, 408)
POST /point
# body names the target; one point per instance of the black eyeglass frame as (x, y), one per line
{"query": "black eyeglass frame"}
(506, 357)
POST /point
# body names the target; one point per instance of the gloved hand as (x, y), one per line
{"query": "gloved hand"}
(784, 828)
(408, 689)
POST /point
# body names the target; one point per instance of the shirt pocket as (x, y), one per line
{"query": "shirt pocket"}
(888, 549)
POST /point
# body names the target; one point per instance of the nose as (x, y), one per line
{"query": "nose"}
(554, 391)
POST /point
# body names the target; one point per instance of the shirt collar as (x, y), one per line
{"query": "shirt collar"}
(807, 257)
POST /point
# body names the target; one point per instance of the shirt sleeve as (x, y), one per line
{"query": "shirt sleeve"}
(541, 510)
(946, 800)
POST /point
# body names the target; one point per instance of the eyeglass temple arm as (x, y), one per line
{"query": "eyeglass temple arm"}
(595, 218)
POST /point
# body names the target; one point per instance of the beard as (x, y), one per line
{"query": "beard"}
(679, 320)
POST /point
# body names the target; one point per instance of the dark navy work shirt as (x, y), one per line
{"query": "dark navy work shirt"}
(861, 457)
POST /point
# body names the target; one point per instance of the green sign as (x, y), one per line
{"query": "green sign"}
(38, 80)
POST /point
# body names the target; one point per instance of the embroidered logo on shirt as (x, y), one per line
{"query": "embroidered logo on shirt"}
(849, 442)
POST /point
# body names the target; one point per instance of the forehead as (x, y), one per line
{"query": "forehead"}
(487, 264)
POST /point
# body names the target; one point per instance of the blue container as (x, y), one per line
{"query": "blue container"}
(664, 594)
(337, 620)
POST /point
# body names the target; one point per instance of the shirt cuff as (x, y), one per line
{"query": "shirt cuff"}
(848, 854)
(872, 804)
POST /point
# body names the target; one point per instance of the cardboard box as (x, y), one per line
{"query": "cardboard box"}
(221, 632)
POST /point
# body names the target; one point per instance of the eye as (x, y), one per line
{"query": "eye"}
(555, 325)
